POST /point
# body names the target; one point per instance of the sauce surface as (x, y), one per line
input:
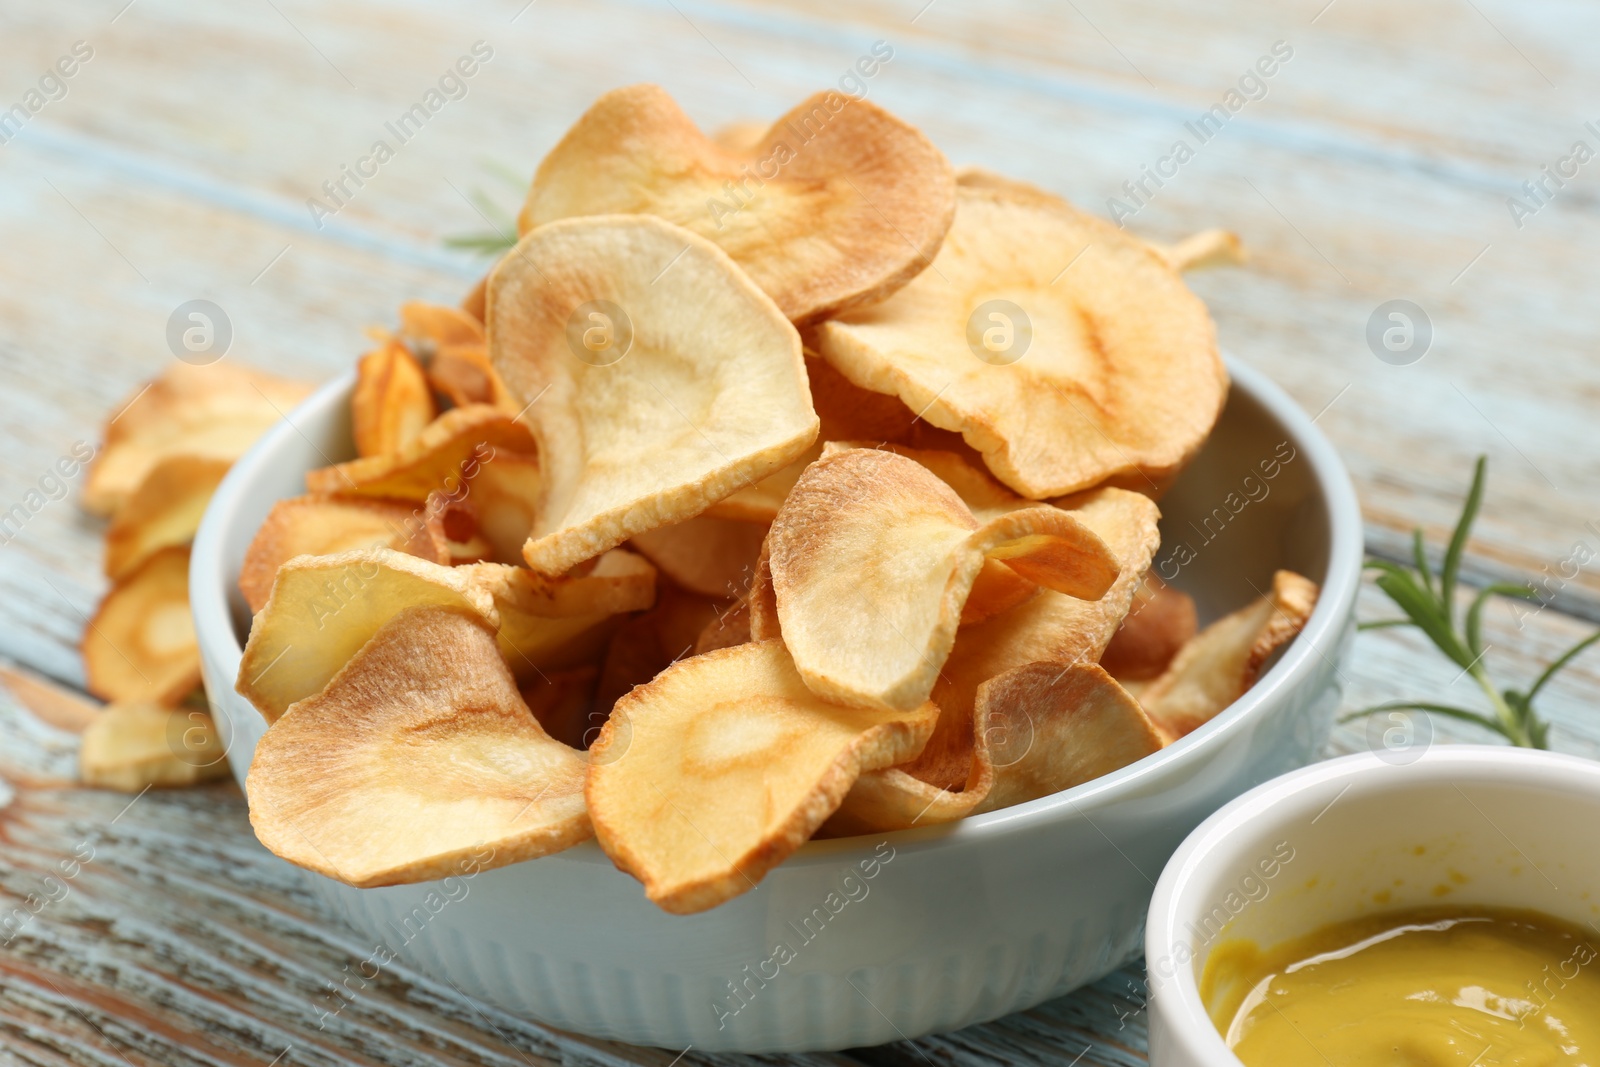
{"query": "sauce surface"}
(1429, 986)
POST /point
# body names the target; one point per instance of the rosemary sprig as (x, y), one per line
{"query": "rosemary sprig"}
(502, 234)
(1428, 603)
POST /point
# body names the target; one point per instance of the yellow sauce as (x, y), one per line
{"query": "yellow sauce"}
(1429, 986)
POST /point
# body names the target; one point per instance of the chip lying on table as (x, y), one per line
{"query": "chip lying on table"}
(623, 554)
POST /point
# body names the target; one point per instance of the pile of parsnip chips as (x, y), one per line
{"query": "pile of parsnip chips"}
(164, 450)
(705, 529)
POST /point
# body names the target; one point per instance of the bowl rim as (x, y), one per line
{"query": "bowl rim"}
(1319, 640)
(1262, 814)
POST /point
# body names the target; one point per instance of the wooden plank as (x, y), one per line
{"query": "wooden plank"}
(181, 940)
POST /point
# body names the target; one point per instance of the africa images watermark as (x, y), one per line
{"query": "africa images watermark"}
(452, 889)
(802, 130)
(1254, 886)
(52, 86)
(452, 85)
(853, 888)
(51, 486)
(1252, 490)
(1537, 192)
(1251, 86)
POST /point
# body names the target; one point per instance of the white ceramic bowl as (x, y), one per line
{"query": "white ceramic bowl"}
(959, 923)
(1363, 834)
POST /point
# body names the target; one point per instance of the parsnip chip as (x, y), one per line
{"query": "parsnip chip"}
(1204, 250)
(325, 526)
(1051, 727)
(473, 302)
(392, 404)
(713, 773)
(132, 747)
(430, 327)
(839, 204)
(563, 702)
(216, 411)
(1159, 622)
(646, 645)
(140, 646)
(997, 587)
(164, 510)
(548, 623)
(50, 702)
(1064, 350)
(1050, 626)
(730, 627)
(450, 533)
(694, 386)
(712, 557)
(893, 799)
(450, 450)
(464, 374)
(504, 495)
(418, 760)
(845, 413)
(322, 609)
(872, 559)
(1224, 660)
(742, 136)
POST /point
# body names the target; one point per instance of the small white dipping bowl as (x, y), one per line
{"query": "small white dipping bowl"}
(961, 923)
(1360, 835)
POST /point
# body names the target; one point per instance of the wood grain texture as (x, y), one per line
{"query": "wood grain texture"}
(1377, 166)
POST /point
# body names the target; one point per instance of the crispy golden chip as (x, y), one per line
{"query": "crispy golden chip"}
(418, 761)
(464, 374)
(140, 646)
(1050, 626)
(392, 404)
(872, 559)
(1206, 249)
(1051, 727)
(893, 799)
(164, 510)
(473, 302)
(326, 526)
(430, 327)
(450, 533)
(646, 645)
(322, 609)
(761, 604)
(741, 137)
(1159, 622)
(997, 587)
(448, 452)
(132, 747)
(504, 496)
(1224, 660)
(712, 557)
(1063, 350)
(845, 413)
(697, 386)
(216, 411)
(712, 774)
(563, 702)
(51, 703)
(839, 204)
(548, 623)
(730, 627)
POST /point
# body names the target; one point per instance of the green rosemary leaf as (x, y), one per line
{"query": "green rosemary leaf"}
(1419, 552)
(1566, 658)
(1475, 612)
(1425, 611)
(1383, 624)
(1448, 710)
(1458, 541)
